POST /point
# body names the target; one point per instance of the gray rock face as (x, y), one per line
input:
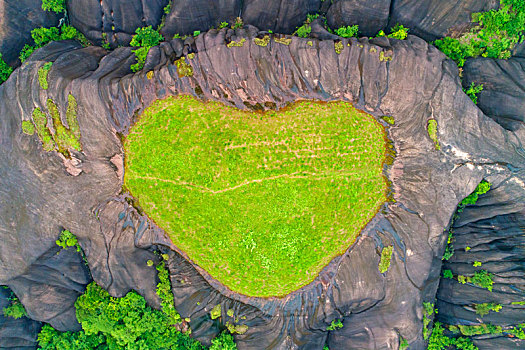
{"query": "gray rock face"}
(371, 16)
(432, 19)
(17, 19)
(19, 333)
(278, 15)
(503, 95)
(427, 184)
(117, 19)
(493, 231)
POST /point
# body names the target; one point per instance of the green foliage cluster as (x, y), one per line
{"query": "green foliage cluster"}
(482, 188)
(403, 343)
(339, 47)
(439, 341)
(67, 239)
(43, 36)
(428, 311)
(448, 274)
(15, 309)
(28, 127)
(262, 41)
(432, 132)
(166, 295)
(497, 32)
(239, 43)
(397, 32)
(386, 256)
(347, 32)
(223, 341)
(335, 324)
(42, 75)
(57, 6)
(184, 69)
(145, 38)
(216, 312)
(472, 91)
(63, 138)
(305, 30)
(5, 70)
(485, 308)
(482, 279)
(117, 323)
(167, 8)
(238, 24)
(293, 167)
(223, 25)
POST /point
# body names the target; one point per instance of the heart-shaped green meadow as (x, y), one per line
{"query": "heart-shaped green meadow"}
(261, 201)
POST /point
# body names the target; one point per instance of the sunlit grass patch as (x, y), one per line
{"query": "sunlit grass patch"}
(261, 201)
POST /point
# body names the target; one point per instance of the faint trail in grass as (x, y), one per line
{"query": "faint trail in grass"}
(309, 175)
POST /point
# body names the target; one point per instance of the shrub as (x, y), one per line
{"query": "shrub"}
(15, 310)
(397, 32)
(348, 32)
(5, 70)
(483, 309)
(56, 6)
(473, 90)
(497, 32)
(482, 188)
(386, 256)
(432, 133)
(428, 311)
(145, 38)
(166, 295)
(223, 341)
(67, 239)
(223, 25)
(483, 279)
(42, 75)
(447, 274)
(42, 36)
(238, 23)
(167, 8)
(336, 324)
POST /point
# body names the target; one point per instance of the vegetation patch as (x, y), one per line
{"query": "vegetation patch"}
(262, 42)
(339, 47)
(57, 6)
(432, 132)
(386, 256)
(261, 201)
(473, 91)
(335, 324)
(428, 312)
(494, 34)
(28, 127)
(239, 43)
(397, 32)
(184, 69)
(63, 137)
(5, 70)
(145, 38)
(485, 308)
(348, 32)
(283, 40)
(15, 310)
(43, 36)
(67, 239)
(42, 75)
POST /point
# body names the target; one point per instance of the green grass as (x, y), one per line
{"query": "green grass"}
(432, 133)
(386, 256)
(262, 202)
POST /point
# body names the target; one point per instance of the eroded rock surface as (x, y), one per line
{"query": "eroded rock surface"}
(427, 183)
(17, 19)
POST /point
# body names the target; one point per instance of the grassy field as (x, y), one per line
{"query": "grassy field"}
(262, 201)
